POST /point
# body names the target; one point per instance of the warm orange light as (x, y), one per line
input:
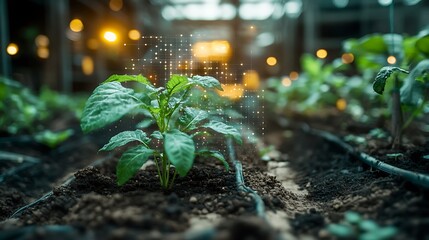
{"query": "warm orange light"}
(134, 34)
(12, 49)
(87, 65)
(218, 50)
(391, 60)
(271, 61)
(293, 75)
(92, 44)
(322, 53)
(347, 58)
(116, 5)
(286, 82)
(41, 40)
(43, 52)
(251, 80)
(110, 36)
(76, 25)
(341, 104)
(232, 91)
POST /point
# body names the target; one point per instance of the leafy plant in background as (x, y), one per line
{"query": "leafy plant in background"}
(354, 226)
(413, 95)
(177, 124)
(53, 139)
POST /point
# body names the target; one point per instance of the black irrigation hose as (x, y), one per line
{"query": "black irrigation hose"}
(260, 207)
(23, 160)
(414, 177)
(64, 184)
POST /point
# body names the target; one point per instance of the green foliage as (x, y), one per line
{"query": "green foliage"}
(53, 139)
(177, 120)
(383, 75)
(355, 227)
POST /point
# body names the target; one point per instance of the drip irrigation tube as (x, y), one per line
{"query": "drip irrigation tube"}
(64, 184)
(260, 207)
(414, 177)
(23, 161)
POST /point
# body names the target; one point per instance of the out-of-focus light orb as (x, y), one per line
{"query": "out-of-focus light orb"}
(340, 3)
(321, 53)
(271, 61)
(391, 60)
(385, 2)
(347, 58)
(92, 44)
(110, 36)
(116, 5)
(12, 49)
(43, 52)
(341, 104)
(294, 75)
(87, 65)
(251, 80)
(231, 91)
(42, 40)
(134, 34)
(76, 25)
(293, 8)
(286, 81)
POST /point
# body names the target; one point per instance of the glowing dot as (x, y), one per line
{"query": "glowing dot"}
(41, 40)
(347, 58)
(43, 52)
(134, 34)
(76, 25)
(322, 53)
(92, 44)
(115, 5)
(293, 75)
(87, 65)
(341, 104)
(110, 36)
(271, 61)
(391, 60)
(286, 81)
(12, 49)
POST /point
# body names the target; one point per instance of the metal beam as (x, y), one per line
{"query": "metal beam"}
(4, 39)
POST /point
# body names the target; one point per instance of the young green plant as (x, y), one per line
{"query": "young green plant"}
(413, 95)
(177, 124)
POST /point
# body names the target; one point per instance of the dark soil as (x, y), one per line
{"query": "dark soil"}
(336, 183)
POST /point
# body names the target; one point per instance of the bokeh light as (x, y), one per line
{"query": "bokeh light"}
(76, 25)
(41, 41)
(341, 104)
(347, 58)
(110, 36)
(294, 75)
(12, 49)
(87, 65)
(271, 61)
(286, 81)
(391, 60)
(43, 52)
(251, 80)
(321, 53)
(134, 34)
(116, 5)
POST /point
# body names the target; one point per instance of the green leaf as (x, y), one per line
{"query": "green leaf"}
(373, 43)
(108, 103)
(53, 139)
(413, 90)
(125, 137)
(206, 82)
(130, 162)
(145, 123)
(176, 84)
(426, 157)
(191, 117)
(214, 154)
(180, 150)
(225, 129)
(380, 234)
(422, 44)
(342, 231)
(128, 78)
(157, 135)
(382, 76)
(352, 217)
(368, 226)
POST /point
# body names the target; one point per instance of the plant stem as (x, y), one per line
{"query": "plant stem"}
(159, 172)
(416, 112)
(396, 116)
(172, 181)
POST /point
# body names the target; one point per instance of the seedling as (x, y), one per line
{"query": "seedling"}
(413, 95)
(355, 227)
(176, 124)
